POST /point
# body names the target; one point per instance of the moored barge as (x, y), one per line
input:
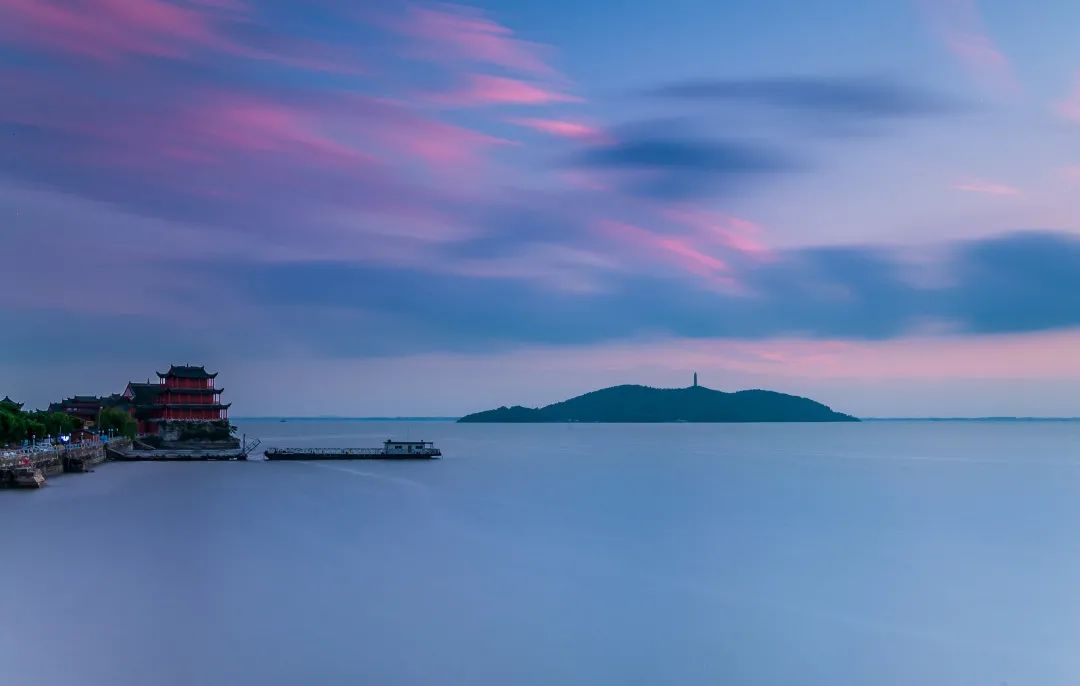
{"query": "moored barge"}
(391, 450)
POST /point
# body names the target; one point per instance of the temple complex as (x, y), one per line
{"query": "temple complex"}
(183, 400)
(185, 393)
(142, 404)
(190, 395)
(85, 407)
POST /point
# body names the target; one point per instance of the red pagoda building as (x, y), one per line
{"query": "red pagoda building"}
(185, 393)
(189, 394)
(85, 407)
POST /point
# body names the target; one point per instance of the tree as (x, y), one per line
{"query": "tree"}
(13, 428)
(34, 428)
(56, 423)
(17, 426)
(112, 419)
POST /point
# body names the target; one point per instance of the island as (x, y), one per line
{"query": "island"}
(632, 403)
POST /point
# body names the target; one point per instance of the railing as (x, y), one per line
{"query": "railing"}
(329, 451)
(21, 456)
(18, 456)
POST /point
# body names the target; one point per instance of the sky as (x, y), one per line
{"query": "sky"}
(420, 208)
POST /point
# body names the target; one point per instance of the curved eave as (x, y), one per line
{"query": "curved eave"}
(195, 406)
(197, 391)
(204, 375)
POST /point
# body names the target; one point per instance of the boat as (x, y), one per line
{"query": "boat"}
(28, 477)
(391, 450)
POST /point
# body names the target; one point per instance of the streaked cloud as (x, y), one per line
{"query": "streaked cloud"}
(636, 282)
(677, 249)
(563, 128)
(1069, 108)
(1005, 284)
(116, 30)
(483, 89)
(292, 176)
(668, 165)
(735, 233)
(855, 97)
(987, 188)
(113, 29)
(447, 31)
(960, 26)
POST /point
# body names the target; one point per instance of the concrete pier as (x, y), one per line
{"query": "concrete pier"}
(79, 457)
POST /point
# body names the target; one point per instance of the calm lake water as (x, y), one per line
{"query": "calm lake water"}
(813, 555)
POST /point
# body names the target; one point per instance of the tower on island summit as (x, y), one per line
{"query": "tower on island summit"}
(185, 393)
(695, 379)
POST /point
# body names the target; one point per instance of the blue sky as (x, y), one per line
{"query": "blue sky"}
(874, 204)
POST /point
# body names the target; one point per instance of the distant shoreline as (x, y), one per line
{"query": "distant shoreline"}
(327, 418)
(986, 420)
(989, 420)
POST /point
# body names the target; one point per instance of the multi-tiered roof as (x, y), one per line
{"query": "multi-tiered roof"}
(185, 393)
(186, 371)
(85, 407)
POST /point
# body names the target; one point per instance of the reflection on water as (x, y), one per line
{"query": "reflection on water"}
(875, 553)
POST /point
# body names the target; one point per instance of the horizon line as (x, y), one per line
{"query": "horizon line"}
(991, 418)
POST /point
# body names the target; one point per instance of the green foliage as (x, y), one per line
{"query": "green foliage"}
(117, 421)
(17, 426)
(219, 430)
(13, 427)
(694, 404)
(56, 423)
(152, 441)
(35, 429)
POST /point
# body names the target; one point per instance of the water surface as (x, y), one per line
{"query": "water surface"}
(874, 553)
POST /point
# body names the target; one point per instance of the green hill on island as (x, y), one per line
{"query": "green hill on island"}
(631, 403)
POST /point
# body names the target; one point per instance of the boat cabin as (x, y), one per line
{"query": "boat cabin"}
(407, 447)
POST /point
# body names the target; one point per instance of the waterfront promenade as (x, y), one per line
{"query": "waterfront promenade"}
(76, 457)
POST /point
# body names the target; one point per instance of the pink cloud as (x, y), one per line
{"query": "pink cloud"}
(1070, 107)
(735, 233)
(304, 55)
(563, 128)
(211, 126)
(674, 249)
(110, 30)
(225, 5)
(916, 358)
(350, 129)
(254, 125)
(987, 188)
(585, 180)
(444, 146)
(559, 267)
(449, 31)
(482, 89)
(217, 127)
(960, 26)
(401, 130)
